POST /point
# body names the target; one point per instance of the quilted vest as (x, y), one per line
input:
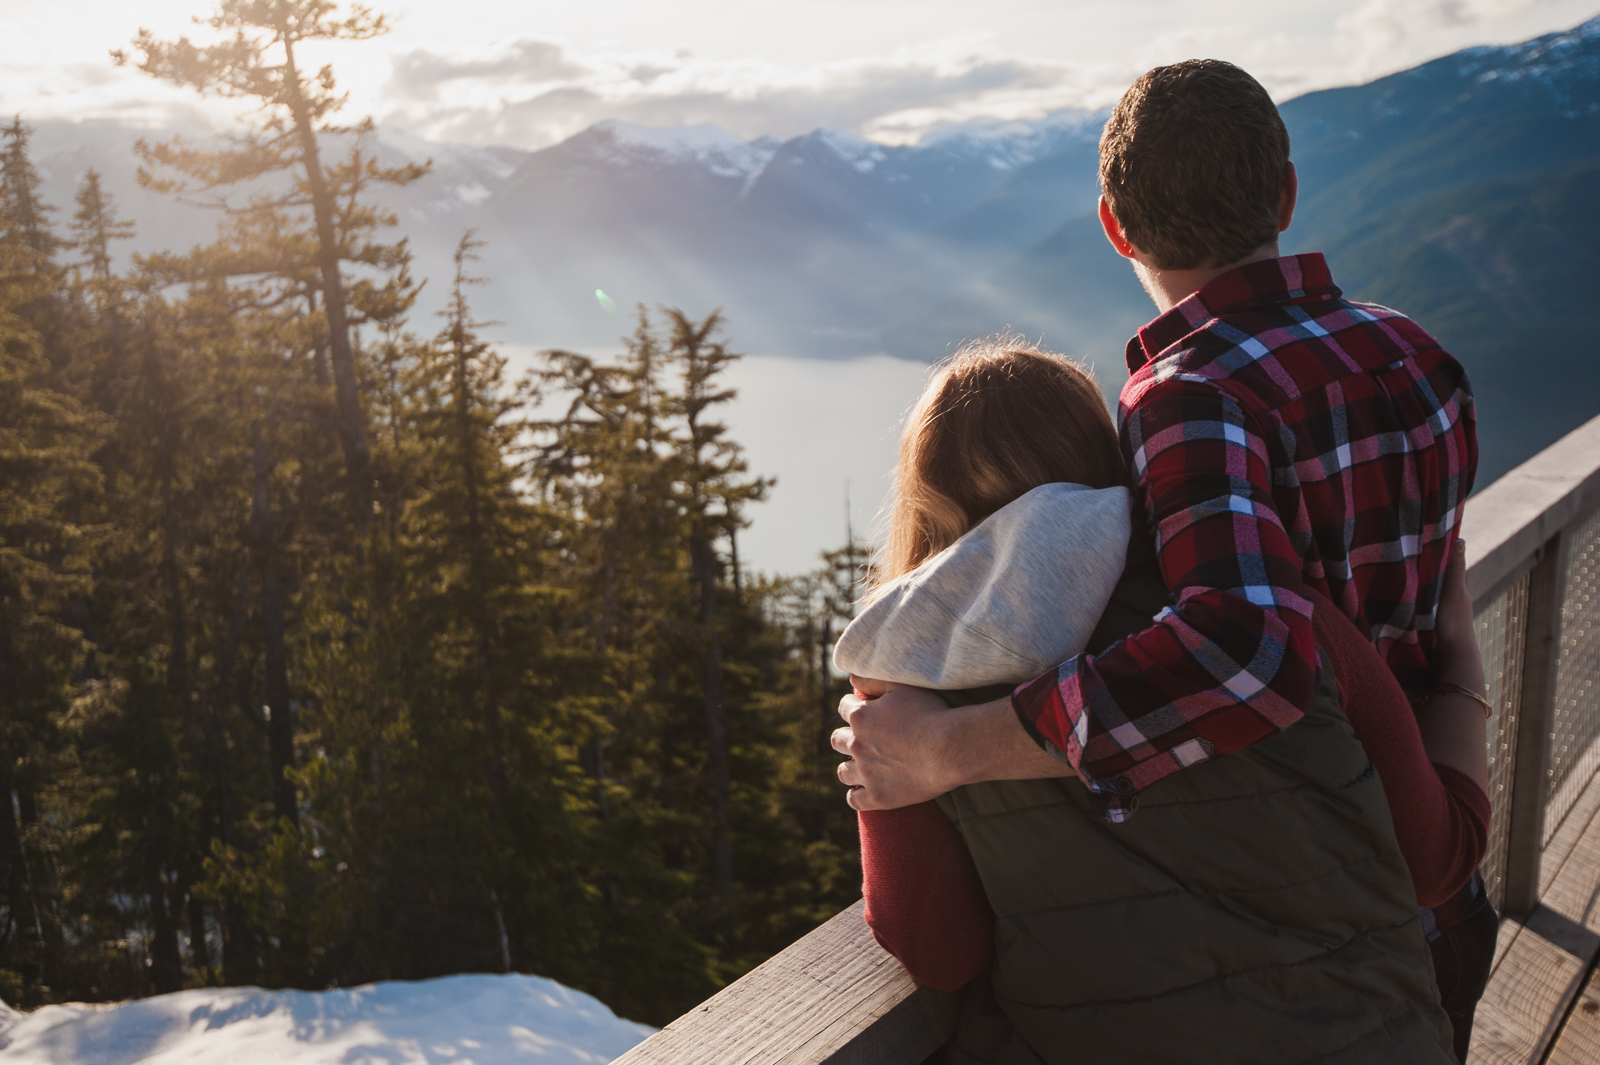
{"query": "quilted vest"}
(1255, 908)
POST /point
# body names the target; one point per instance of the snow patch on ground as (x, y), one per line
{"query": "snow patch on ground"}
(469, 1019)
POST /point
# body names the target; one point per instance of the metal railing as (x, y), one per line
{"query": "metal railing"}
(1533, 549)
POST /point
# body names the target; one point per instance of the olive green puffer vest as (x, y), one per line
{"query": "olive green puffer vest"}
(1255, 909)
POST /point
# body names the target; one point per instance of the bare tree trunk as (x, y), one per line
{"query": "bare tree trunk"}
(218, 762)
(704, 561)
(829, 709)
(352, 425)
(319, 347)
(45, 893)
(199, 940)
(280, 721)
(602, 643)
(177, 608)
(237, 961)
(166, 965)
(22, 910)
(500, 926)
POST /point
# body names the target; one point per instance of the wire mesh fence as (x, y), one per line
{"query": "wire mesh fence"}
(1575, 723)
(1501, 628)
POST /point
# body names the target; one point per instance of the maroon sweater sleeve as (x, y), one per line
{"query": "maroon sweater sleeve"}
(925, 903)
(1441, 818)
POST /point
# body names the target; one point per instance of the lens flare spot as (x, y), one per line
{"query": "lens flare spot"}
(606, 303)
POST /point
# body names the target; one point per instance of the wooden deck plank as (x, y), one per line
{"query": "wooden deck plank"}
(1542, 960)
(1519, 1010)
(1575, 845)
(1579, 1041)
(832, 997)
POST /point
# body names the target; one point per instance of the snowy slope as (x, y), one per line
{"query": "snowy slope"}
(705, 145)
(470, 1019)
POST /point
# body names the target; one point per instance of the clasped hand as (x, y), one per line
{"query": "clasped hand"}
(896, 737)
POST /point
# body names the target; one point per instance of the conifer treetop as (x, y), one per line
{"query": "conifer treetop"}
(24, 217)
(96, 224)
(242, 64)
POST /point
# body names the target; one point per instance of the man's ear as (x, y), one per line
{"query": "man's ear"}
(1108, 222)
(1286, 199)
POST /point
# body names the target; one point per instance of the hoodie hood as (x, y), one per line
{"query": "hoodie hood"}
(1015, 597)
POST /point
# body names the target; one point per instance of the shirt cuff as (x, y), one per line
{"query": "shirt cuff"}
(1113, 799)
(1033, 730)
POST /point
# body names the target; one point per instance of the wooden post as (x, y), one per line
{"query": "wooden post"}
(1530, 784)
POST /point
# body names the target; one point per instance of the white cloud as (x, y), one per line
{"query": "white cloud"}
(537, 91)
(1380, 36)
(471, 70)
(549, 95)
(421, 74)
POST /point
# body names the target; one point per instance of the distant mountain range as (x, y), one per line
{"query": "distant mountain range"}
(1465, 192)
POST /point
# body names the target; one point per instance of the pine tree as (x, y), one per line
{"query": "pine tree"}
(26, 228)
(24, 216)
(45, 441)
(95, 226)
(716, 490)
(297, 109)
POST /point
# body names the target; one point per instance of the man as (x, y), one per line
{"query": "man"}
(1281, 438)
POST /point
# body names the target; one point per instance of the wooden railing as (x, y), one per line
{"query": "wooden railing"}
(1533, 545)
(1533, 549)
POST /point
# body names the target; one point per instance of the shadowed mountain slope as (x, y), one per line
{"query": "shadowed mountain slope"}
(1462, 192)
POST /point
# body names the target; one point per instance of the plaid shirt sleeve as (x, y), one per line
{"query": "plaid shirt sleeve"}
(1235, 660)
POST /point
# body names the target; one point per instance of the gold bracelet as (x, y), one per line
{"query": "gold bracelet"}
(1456, 689)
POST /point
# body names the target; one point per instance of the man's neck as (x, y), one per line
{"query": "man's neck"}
(1168, 288)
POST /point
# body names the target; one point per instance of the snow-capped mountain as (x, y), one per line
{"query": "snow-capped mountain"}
(827, 244)
(709, 147)
(1560, 68)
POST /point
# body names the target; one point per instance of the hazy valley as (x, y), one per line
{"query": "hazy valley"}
(1463, 192)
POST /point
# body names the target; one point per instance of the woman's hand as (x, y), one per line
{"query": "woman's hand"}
(1452, 725)
(1459, 660)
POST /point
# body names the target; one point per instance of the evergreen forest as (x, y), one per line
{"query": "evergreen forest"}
(328, 652)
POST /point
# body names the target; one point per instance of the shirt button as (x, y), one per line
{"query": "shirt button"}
(1123, 785)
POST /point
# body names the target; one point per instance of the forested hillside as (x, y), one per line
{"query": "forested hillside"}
(329, 654)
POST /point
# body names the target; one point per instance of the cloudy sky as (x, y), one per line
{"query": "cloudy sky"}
(493, 71)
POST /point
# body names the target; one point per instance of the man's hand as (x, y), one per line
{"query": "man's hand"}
(895, 740)
(906, 746)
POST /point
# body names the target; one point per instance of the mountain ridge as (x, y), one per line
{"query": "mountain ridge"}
(828, 245)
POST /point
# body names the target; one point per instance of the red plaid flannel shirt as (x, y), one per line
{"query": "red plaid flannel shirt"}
(1282, 437)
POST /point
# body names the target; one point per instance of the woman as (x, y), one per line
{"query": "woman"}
(1257, 908)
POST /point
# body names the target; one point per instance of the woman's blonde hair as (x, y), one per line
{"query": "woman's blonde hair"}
(998, 419)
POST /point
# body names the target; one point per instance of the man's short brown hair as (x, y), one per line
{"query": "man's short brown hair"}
(1192, 162)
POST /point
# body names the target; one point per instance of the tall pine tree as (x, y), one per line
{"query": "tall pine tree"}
(46, 438)
(259, 59)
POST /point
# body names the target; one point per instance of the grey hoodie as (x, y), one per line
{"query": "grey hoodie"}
(1015, 597)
